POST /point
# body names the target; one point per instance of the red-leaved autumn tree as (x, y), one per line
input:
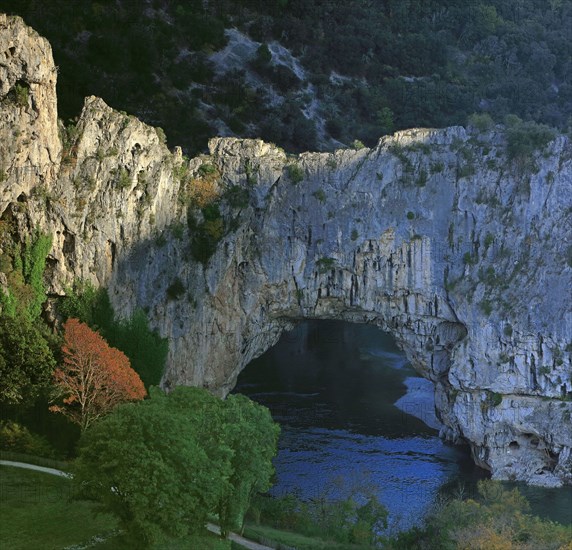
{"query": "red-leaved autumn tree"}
(94, 377)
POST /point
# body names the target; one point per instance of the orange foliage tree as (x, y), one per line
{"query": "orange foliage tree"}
(94, 377)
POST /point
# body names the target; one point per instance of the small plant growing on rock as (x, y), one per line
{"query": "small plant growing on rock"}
(496, 399)
(237, 196)
(320, 195)
(325, 264)
(207, 169)
(486, 307)
(295, 173)
(437, 167)
(178, 230)
(161, 135)
(176, 289)
(422, 178)
(489, 240)
(123, 180)
(21, 95)
(469, 259)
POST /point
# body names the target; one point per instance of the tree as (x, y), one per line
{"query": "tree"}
(94, 377)
(252, 435)
(26, 360)
(146, 350)
(158, 465)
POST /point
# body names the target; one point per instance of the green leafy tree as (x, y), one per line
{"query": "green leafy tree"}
(252, 434)
(146, 350)
(159, 465)
(497, 518)
(26, 359)
(33, 264)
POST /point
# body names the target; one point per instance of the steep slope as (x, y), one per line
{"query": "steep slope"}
(437, 236)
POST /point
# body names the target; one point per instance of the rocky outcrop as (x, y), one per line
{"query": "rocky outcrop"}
(434, 235)
(30, 147)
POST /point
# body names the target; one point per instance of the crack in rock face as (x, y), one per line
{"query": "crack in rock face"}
(436, 236)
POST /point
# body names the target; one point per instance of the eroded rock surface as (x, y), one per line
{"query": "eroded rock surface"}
(434, 235)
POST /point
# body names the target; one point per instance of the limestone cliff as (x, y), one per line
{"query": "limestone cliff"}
(434, 235)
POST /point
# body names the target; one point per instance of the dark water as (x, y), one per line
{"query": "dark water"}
(332, 387)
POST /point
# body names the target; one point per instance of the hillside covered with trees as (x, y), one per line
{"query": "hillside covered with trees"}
(366, 68)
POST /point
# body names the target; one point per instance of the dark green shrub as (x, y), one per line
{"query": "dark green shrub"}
(320, 195)
(525, 138)
(176, 289)
(263, 54)
(325, 264)
(486, 307)
(422, 178)
(465, 171)
(295, 173)
(20, 94)
(496, 399)
(237, 196)
(211, 212)
(468, 259)
(205, 236)
(178, 230)
(489, 240)
(207, 169)
(123, 179)
(161, 135)
(18, 439)
(482, 122)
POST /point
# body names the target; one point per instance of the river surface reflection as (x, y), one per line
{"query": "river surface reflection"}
(333, 386)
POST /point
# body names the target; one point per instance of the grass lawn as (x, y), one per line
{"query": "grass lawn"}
(37, 514)
(208, 541)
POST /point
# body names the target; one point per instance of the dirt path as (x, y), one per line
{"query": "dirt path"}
(210, 526)
(51, 471)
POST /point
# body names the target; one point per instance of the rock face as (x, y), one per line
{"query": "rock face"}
(434, 235)
(30, 147)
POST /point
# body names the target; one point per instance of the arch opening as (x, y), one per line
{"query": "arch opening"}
(351, 406)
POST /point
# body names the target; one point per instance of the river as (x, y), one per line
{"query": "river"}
(333, 387)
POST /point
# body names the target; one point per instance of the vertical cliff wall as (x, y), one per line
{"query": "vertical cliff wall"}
(463, 255)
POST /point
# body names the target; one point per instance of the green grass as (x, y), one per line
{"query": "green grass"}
(37, 513)
(207, 541)
(265, 534)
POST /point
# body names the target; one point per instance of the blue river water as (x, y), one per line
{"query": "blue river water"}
(333, 388)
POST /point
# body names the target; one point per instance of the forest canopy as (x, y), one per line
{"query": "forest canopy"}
(372, 67)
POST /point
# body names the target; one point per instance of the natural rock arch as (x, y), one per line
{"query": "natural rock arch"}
(461, 253)
(357, 240)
